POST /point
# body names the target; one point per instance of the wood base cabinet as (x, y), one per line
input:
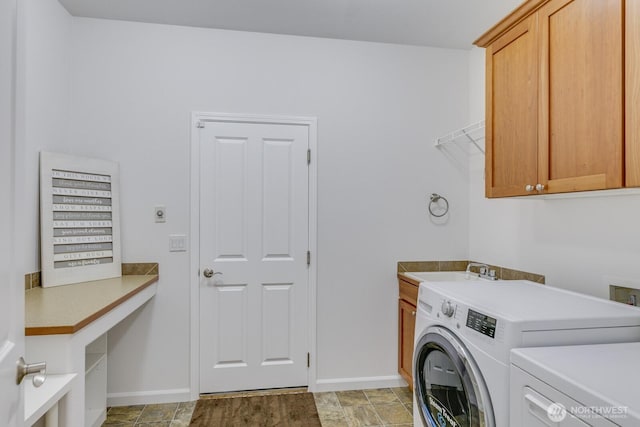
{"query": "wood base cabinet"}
(407, 303)
(555, 97)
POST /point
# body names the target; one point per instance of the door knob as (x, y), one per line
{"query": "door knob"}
(38, 370)
(209, 273)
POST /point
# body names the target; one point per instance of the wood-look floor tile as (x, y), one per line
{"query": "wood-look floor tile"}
(352, 398)
(394, 413)
(381, 395)
(362, 415)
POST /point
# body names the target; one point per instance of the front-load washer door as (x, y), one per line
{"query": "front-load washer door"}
(449, 387)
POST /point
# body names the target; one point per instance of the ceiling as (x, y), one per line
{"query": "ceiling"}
(440, 23)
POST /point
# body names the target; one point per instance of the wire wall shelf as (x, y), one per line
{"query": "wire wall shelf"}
(471, 134)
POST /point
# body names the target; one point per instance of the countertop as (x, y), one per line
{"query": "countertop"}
(402, 276)
(67, 309)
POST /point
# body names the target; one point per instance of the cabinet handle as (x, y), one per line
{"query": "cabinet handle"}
(528, 188)
(539, 187)
(413, 313)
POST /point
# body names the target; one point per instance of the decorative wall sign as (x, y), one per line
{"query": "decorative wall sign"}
(79, 219)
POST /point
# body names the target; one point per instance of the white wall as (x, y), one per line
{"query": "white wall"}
(44, 93)
(379, 107)
(577, 244)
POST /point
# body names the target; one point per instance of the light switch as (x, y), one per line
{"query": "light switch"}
(160, 214)
(177, 243)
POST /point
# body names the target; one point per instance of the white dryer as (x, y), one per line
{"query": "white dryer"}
(466, 330)
(582, 385)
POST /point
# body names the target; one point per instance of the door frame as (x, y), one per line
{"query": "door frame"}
(194, 257)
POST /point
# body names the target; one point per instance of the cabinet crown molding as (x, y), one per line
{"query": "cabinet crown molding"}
(508, 22)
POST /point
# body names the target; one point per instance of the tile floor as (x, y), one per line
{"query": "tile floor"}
(160, 415)
(376, 407)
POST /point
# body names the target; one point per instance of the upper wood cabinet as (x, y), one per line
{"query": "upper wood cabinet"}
(511, 143)
(632, 93)
(555, 112)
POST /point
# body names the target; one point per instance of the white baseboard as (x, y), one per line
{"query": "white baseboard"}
(149, 397)
(184, 394)
(358, 383)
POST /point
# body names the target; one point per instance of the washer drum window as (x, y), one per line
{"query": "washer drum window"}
(450, 390)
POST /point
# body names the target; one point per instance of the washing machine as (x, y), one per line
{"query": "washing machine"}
(583, 385)
(466, 330)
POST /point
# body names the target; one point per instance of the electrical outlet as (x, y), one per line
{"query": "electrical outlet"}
(624, 294)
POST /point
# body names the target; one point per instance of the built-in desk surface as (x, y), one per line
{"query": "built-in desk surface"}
(67, 309)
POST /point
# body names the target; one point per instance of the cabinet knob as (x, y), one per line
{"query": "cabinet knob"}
(539, 187)
(413, 313)
(528, 188)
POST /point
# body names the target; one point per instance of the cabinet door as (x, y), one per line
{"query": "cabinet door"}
(581, 136)
(406, 326)
(632, 93)
(512, 111)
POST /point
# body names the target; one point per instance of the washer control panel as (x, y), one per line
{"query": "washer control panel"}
(482, 323)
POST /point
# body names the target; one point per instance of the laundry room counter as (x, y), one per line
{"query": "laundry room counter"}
(67, 309)
(67, 327)
(503, 273)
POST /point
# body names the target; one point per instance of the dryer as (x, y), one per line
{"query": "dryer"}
(466, 330)
(583, 385)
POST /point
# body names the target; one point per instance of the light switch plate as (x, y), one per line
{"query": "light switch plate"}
(177, 243)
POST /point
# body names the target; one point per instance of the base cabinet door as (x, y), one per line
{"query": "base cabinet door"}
(406, 324)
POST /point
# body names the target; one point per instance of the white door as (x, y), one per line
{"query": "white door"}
(11, 294)
(254, 232)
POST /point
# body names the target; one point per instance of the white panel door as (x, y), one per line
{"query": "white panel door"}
(254, 234)
(11, 294)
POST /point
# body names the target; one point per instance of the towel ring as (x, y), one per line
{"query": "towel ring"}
(435, 199)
